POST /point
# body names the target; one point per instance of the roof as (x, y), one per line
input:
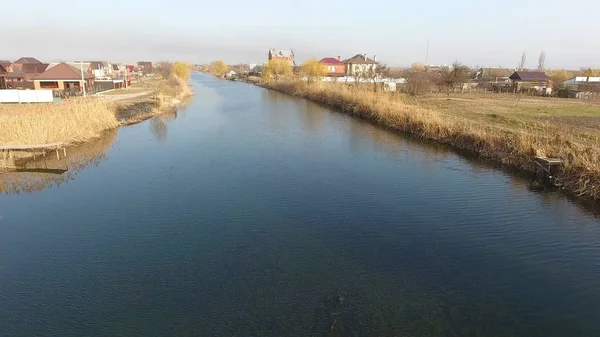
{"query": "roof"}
(330, 60)
(5, 63)
(582, 80)
(359, 59)
(34, 68)
(24, 60)
(529, 76)
(96, 64)
(497, 72)
(63, 71)
(281, 52)
(16, 73)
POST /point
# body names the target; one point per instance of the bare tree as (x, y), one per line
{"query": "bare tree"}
(164, 69)
(523, 60)
(418, 81)
(542, 61)
(453, 77)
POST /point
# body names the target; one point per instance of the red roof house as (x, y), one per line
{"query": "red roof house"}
(334, 66)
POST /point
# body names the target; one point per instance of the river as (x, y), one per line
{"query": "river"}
(252, 213)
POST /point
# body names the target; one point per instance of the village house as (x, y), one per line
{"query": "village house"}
(334, 66)
(581, 87)
(531, 80)
(145, 67)
(18, 64)
(493, 78)
(7, 65)
(97, 68)
(360, 65)
(3, 73)
(16, 80)
(64, 77)
(493, 75)
(283, 54)
(30, 70)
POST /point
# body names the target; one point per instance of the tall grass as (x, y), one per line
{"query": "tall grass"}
(515, 146)
(69, 122)
(72, 121)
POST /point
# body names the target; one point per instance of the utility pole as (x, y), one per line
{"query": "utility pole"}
(126, 76)
(82, 78)
(427, 53)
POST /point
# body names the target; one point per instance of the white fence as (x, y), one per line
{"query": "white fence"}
(26, 96)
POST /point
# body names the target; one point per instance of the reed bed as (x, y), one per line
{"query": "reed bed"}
(71, 121)
(511, 144)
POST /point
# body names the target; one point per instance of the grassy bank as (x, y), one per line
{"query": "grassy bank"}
(73, 121)
(166, 96)
(504, 129)
(79, 120)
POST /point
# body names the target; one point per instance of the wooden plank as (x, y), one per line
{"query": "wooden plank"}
(548, 161)
(33, 147)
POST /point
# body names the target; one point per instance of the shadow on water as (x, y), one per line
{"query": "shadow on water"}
(361, 130)
(48, 171)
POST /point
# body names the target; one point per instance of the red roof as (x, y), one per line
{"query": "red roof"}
(330, 60)
(62, 72)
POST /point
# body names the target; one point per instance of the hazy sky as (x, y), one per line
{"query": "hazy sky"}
(475, 32)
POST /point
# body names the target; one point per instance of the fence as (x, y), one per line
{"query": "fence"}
(26, 96)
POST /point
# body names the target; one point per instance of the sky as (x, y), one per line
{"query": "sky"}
(484, 33)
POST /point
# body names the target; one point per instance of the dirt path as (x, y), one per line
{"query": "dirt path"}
(123, 97)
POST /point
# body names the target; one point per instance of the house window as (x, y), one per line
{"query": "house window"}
(49, 85)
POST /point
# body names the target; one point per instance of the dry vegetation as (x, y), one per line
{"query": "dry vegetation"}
(72, 121)
(79, 120)
(501, 128)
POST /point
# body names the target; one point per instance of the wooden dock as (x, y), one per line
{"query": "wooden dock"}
(36, 148)
(547, 169)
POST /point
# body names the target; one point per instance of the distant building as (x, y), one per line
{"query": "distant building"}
(493, 75)
(30, 70)
(3, 73)
(531, 80)
(145, 67)
(7, 65)
(581, 87)
(360, 64)
(18, 64)
(334, 66)
(64, 77)
(283, 54)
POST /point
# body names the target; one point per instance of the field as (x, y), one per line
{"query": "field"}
(501, 127)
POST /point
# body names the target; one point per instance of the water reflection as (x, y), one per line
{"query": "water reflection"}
(363, 133)
(159, 124)
(43, 172)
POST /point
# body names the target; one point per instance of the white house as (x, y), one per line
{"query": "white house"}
(360, 65)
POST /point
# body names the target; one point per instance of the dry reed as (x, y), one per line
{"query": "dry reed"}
(514, 146)
(70, 122)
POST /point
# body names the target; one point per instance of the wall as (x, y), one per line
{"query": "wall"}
(37, 85)
(335, 69)
(26, 96)
(354, 69)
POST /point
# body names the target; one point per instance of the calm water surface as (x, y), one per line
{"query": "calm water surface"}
(251, 213)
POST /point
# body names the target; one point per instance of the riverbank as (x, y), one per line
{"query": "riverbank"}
(79, 120)
(510, 132)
